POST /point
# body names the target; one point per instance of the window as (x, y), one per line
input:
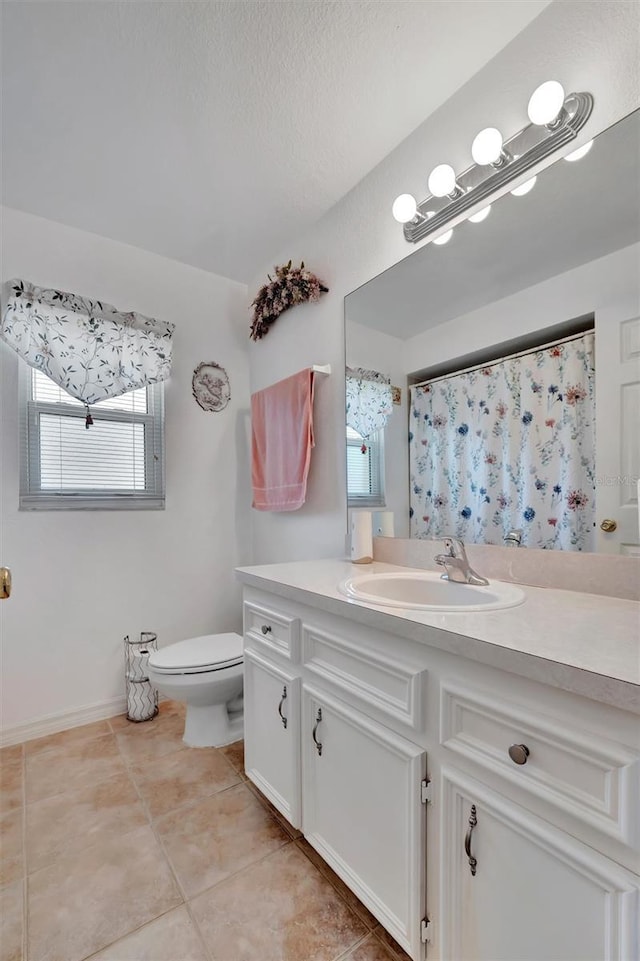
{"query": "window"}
(365, 472)
(116, 463)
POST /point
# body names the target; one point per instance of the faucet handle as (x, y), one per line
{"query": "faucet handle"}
(455, 547)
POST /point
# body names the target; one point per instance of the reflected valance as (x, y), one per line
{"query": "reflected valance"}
(369, 400)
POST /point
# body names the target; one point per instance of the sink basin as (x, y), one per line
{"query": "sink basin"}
(426, 591)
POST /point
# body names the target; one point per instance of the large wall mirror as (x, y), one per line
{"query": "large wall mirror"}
(493, 382)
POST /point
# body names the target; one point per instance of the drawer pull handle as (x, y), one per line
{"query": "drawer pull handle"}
(282, 700)
(317, 743)
(266, 629)
(519, 753)
(467, 841)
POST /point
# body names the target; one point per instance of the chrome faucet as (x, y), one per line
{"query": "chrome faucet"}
(513, 538)
(457, 564)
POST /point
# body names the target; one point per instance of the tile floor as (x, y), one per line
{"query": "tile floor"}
(119, 843)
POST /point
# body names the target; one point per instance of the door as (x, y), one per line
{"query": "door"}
(517, 889)
(362, 810)
(618, 427)
(272, 733)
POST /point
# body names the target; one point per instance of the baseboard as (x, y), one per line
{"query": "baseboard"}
(53, 723)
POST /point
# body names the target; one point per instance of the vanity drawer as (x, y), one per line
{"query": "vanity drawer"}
(272, 630)
(387, 684)
(589, 777)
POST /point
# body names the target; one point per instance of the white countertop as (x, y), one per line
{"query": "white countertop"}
(585, 643)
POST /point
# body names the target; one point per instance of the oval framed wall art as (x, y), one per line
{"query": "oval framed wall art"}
(210, 386)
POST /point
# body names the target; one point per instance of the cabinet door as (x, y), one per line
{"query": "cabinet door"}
(534, 893)
(272, 733)
(362, 810)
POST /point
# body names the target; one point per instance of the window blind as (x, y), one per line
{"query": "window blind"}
(365, 472)
(117, 463)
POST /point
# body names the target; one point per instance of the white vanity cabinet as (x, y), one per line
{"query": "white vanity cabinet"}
(517, 889)
(272, 686)
(272, 733)
(364, 811)
(478, 814)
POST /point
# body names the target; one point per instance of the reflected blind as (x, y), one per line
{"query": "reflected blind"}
(365, 473)
(117, 463)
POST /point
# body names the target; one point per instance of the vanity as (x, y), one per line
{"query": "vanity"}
(473, 777)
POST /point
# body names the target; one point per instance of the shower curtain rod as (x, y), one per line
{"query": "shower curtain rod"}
(500, 360)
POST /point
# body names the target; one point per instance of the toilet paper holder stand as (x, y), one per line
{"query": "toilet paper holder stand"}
(142, 697)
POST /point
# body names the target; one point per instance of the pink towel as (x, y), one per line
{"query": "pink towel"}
(281, 442)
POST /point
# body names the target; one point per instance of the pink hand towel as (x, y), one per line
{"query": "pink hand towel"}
(281, 442)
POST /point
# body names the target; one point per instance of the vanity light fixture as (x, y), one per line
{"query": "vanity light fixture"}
(480, 216)
(404, 208)
(580, 152)
(442, 182)
(444, 238)
(524, 188)
(487, 148)
(545, 105)
(556, 120)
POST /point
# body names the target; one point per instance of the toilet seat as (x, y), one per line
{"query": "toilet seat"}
(198, 655)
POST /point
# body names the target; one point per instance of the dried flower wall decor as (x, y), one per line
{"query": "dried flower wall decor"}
(293, 285)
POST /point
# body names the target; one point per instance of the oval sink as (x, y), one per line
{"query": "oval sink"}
(426, 591)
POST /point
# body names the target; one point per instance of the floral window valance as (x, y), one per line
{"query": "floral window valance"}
(89, 348)
(369, 400)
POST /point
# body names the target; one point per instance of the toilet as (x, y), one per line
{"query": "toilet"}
(206, 674)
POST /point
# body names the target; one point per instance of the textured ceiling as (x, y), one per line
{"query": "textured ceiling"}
(210, 132)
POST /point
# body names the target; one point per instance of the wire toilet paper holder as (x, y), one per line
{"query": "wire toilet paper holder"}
(142, 697)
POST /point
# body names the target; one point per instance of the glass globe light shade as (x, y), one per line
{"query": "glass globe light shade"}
(580, 152)
(444, 238)
(481, 215)
(524, 188)
(404, 208)
(487, 146)
(442, 180)
(546, 102)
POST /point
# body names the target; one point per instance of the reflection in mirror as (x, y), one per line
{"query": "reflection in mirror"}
(516, 348)
(368, 400)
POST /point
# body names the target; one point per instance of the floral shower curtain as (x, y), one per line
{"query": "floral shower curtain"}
(508, 446)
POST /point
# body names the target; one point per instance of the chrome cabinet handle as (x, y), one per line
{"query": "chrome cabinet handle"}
(519, 753)
(467, 841)
(317, 743)
(282, 700)
(266, 629)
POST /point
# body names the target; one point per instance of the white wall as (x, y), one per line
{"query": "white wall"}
(586, 45)
(82, 580)
(375, 350)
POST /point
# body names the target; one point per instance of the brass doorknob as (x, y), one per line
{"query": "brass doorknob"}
(608, 525)
(5, 583)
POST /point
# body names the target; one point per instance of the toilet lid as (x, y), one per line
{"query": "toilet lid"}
(209, 652)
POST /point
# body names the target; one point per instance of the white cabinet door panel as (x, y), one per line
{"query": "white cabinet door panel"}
(537, 894)
(272, 733)
(362, 811)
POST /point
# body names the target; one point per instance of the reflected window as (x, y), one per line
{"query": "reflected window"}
(365, 469)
